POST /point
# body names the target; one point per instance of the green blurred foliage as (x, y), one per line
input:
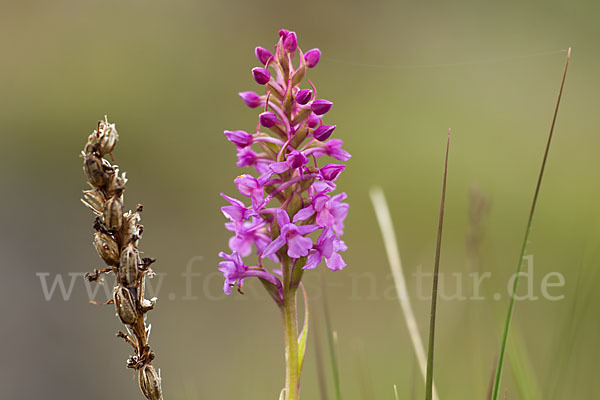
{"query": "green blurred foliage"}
(400, 74)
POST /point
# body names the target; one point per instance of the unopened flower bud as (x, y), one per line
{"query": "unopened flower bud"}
(321, 106)
(261, 75)
(125, 305)
(150, 383)
(323, 132)
(268, 119)
(113, 213)
(107, 248)
(303, 96)
(251, 99)
(290, 42)
(330, 172)
(262, 54)
(240, 138)
(312, 57)
(128, 269)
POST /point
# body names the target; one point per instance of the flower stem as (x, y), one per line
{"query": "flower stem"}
(290, 328)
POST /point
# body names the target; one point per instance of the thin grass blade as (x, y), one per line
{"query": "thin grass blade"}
(434, 289)
(511, 305)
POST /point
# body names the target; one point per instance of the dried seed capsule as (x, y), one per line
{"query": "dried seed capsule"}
(128, 270)
(92, 165)
(115, 183)
(130, 231)
(107, 248)
(113, 213)
(107, 137)
(125, 305)
(150, 383)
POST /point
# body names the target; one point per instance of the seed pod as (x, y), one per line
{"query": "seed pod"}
(128, 270)
(92, 165)
(107, 137)
(130, 229)
(115, 183)
(113, 213)
(125, 305)
(150, 383)
(107, 248)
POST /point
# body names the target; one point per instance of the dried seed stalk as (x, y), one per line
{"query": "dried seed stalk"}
(116, 240)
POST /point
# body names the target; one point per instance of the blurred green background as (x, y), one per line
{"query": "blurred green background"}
(400, 74)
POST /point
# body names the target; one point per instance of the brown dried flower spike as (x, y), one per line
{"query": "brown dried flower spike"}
(116, 240)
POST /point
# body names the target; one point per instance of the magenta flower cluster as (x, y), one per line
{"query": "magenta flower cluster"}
(289, 214)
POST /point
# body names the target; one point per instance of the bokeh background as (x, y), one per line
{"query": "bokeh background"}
(400, 74)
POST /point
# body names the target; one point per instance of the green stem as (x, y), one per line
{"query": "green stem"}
(290, 328)
(289, 315)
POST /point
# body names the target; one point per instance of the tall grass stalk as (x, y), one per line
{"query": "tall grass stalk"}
(434, 288)
(386, 226)
(511, 305)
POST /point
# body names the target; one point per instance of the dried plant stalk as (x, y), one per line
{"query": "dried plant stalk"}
(116, 239)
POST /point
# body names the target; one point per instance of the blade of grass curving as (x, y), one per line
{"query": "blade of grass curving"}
(434, 289)
(331, 342)
(382, 212)
(511, 304)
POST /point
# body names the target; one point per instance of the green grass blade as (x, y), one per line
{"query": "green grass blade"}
(434, 290)
(511, 305)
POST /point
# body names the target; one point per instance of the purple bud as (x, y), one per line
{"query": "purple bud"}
(268, 119)
(240, 138)
(330, 172)
(320, 106)
(303, 96)
(296, 159)
(251, 99)
(261, 75)
(262, 54)
(291, 42)
(323, 132)
(313, 120)
(312, 57)
(283, 33)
